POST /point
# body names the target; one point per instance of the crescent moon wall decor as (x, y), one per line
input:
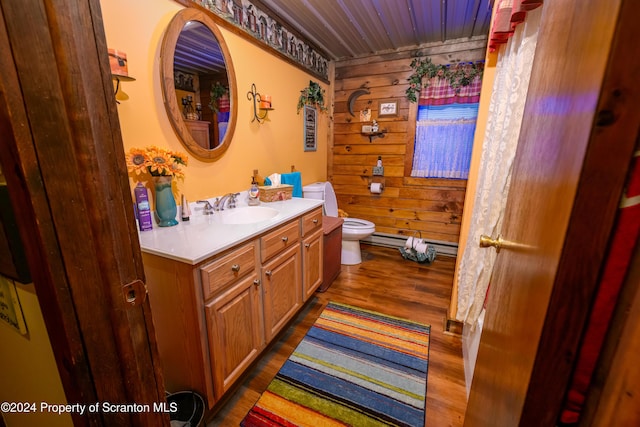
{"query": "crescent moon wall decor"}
(355, 95)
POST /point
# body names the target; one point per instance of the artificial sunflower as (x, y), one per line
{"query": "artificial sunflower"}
(156, 161)
(137, 161)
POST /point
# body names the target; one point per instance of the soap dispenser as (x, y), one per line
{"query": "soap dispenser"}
(254, 193)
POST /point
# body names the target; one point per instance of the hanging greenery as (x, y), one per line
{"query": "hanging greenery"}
(458, 75)
(217, 92)
(312, 95)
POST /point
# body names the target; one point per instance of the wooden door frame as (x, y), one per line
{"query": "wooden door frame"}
(63, 159)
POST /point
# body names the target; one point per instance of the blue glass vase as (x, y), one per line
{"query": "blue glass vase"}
(166, 209)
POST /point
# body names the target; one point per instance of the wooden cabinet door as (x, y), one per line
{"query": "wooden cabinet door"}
(282, 291)
(200, 132)
(236, 333)
(312, 252)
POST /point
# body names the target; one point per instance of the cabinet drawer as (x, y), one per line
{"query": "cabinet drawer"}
(223, 271)
(278, 240)
(311, 221)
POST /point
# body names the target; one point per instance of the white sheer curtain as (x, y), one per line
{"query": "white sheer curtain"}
(444, 141)
(506, 108)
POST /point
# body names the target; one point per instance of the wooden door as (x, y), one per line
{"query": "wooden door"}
(282, 287)
(236, 328)
(62, 156)
(312, 264)
(575, 146)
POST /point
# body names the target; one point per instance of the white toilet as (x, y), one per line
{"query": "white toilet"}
(353, 229)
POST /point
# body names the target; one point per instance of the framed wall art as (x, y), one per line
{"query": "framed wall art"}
(10, 309)
(310, 119)
(388, 109)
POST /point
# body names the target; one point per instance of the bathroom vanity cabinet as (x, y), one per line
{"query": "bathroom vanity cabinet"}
(214, 318)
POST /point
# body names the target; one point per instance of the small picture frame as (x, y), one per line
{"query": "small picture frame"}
(310, 116)
(183, 81)
(365, 115)
(388, 109)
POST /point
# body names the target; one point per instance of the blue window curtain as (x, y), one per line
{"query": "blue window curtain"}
(444, 140)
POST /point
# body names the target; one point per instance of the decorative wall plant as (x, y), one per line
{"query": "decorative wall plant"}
(458, 75)
(312, 95)
(217, 92)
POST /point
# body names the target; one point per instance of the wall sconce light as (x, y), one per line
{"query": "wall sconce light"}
(261, 103)
(119, 72)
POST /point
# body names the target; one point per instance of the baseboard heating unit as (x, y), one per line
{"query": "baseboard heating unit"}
(398, 241)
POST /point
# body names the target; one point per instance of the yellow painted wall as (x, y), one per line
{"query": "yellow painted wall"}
(137, 28)
(28, 371)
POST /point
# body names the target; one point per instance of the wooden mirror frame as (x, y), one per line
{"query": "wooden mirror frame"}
(168, 86)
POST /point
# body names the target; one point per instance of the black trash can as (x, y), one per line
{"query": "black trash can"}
(190, 409)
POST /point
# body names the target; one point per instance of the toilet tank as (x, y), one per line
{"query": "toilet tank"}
(322, 191)
(313, 191)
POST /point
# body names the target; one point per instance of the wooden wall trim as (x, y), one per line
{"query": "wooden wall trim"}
(442, 53)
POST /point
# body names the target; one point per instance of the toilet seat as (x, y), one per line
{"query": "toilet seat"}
(357, 223)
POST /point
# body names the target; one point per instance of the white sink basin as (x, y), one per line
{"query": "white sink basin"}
(247, 215)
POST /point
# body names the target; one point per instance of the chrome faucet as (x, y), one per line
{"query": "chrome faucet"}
(218, 205)
(208, 209)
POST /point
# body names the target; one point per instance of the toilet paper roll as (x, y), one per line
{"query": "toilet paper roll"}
(409, 243)
(421, 247)
(412, 242)
(376, 187)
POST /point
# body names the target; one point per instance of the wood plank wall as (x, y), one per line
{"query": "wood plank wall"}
(407, 205)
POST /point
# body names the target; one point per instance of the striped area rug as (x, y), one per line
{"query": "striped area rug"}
(353, 368)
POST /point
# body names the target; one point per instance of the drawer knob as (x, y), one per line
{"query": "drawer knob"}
(307, 245)
(256, 282)
(268, 273)
(315, 221)
(235, 268)
(285, 239)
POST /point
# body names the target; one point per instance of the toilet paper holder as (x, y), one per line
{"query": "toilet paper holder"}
(376, 180)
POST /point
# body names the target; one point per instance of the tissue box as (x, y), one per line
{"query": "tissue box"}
(273, 193)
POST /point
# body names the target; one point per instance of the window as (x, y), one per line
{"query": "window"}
(444, 140)
(448, 99)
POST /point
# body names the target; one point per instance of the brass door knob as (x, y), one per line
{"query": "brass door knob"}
(499, 243)
(486, 242)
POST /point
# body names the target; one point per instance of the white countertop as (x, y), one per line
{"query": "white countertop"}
(203, 236)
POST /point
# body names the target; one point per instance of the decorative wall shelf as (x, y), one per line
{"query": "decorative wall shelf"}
(372, 135)
(119, 93)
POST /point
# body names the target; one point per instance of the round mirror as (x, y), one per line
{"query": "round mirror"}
(198, 84)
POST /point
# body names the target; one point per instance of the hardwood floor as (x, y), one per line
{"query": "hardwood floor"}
(386, 283)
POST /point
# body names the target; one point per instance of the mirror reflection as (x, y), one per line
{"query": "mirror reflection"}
(202, 86)
(198, 84)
